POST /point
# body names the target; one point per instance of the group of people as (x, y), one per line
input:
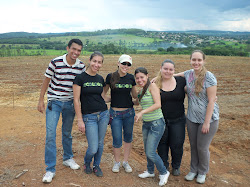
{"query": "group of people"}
(75, 89)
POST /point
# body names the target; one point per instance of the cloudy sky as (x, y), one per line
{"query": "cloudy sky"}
(53, 16)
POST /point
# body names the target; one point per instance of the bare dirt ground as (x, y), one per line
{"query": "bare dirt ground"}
(22, 127)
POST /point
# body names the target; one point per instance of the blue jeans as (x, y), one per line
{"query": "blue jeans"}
(53, 111)
(173, 138)
(122, 120)
(96, 126)
(152, 132)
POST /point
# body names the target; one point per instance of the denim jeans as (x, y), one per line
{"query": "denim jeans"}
(122, 120)
(96, 126)
(152, 132)
(53, 111)
(173, 138)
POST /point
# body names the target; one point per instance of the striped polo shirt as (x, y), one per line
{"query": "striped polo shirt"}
(62, 76)
(146, 102)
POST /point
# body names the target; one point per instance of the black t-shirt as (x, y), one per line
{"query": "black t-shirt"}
(121, 95)
(172, 102)
(91, 90)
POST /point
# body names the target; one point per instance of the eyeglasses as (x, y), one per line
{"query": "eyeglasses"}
(126, 63)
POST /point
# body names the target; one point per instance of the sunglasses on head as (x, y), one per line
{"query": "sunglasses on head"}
(126, 63)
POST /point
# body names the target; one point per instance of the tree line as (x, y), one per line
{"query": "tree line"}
(19, 47)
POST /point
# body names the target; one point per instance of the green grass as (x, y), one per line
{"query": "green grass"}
(41, 52)
(105, 39)
(223, 43)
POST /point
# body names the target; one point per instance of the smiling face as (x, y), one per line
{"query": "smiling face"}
(74, 52)
(167, 70)
(95, 64)
(141, 79)
(197, 61)
(123, 67)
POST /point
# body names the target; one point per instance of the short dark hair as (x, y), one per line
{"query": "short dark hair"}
(77, 41)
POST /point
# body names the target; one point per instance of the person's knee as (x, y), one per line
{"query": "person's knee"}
(93, 150)
(150, 154)
(128, 137)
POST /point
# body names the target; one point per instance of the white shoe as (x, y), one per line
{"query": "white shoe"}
(127, 167)
(164, 179)
(116, 167)
(201, 179)
(71, 163)
(190, 176)
(146, 174)
(48, 176)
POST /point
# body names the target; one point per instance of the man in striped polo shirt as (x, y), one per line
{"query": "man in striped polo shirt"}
(58, 80)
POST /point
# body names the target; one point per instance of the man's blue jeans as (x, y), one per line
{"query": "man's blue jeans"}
(96, 126)
(152, 132)
(53, 111)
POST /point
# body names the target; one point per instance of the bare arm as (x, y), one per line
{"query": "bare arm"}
(181, 74)
(153, 80)
(154, 90)
(45, 85)
(77, 105)
(211, 93)
(134, 92)
(104, 94)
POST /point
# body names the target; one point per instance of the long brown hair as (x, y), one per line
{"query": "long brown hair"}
(201, 76)
(145, 87)
(115, 78)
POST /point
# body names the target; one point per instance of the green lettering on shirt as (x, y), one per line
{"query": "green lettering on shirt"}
(123, 85)
(92, 84)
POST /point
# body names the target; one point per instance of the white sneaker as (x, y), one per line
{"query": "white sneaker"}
(48, 176)
(116, 167)
(71, 163)
(127, 167)
(146, 174)
(190, 176)
(201, 179)
(164, 179)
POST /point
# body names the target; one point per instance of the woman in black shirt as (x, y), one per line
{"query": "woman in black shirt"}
(92, 112)
(172, 102)
(122, 85)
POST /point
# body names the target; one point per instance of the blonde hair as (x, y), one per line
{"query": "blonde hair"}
(201, 76)
(158, 80)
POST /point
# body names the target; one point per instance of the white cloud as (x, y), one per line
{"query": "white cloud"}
(65, 16)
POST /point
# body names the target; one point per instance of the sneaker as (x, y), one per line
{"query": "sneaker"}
(48, 176)
(201, 179)
(146, 174)
(190, 176)
(116, 167)
(87, 168)
(176, 171)
(127, 167)
(71, 163)
(164, 179)
(97, 171)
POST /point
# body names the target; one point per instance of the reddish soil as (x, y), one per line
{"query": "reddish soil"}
(22, 127)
